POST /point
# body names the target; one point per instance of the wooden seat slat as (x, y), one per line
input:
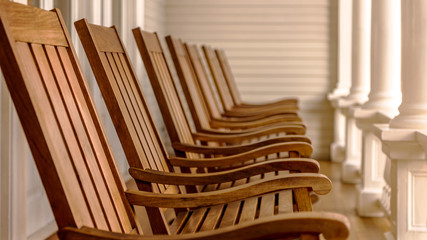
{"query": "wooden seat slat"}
(195, 221)
(267, 205)
(249, 210)
(230, 214)
(285, 204)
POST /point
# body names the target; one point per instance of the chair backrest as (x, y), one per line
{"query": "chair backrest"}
(190, 86)
(202, 79)
(125, 102)
(60, 122)
(218, 77)
(228, 76)
(164, 88)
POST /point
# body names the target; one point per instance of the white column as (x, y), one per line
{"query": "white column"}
(360, 65)
(385, 57)
(402, 143)
(384, 98)
(413, 110)
(343, 81)
(360, 76)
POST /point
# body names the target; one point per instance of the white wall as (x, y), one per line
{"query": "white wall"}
(277, 49)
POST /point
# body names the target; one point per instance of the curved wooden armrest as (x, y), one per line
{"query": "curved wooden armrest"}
(279, 102)
(296, 121)
(302, 147)
(244, 112)
(319, 183)
(304, 151)
(250, 130)
(258, 117)
(282, 108)
(237, 138)
(331, 225)
(294, 164)
(289, 117)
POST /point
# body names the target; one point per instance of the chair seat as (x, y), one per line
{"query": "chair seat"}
(219, 216)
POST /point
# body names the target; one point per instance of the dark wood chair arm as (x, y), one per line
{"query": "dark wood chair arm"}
(237, 138)
(244, 112)
(279, 102)
(257, 123)
(249, 130)
(303, 148)
(319, 183)
(331, 225)
(289, 117)
(295, 164)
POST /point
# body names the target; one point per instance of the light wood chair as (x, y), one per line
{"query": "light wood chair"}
(204, 119)
(230, 98)
(182, 138)
(78, 169)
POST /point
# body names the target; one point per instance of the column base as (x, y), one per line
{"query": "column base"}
(337, 152)
(367, 202)
(350, 172)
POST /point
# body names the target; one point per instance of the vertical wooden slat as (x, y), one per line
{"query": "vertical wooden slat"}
(69, 137)
(50, 152)
(135, 159)
(146, 124)
(82, 139)
(203, 81)
(228, 76)
(221, 85)
(107, 175)
(121, 94)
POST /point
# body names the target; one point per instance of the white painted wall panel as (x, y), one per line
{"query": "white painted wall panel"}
(277, 48)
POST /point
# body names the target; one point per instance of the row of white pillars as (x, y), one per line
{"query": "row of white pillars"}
(399, 144)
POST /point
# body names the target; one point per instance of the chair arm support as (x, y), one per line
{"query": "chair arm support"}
(331, 225)
(305, 149)
(236, 138)
(154, 176)
(318, 182)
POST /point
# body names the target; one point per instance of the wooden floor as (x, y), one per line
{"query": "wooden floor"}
(342, 199)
